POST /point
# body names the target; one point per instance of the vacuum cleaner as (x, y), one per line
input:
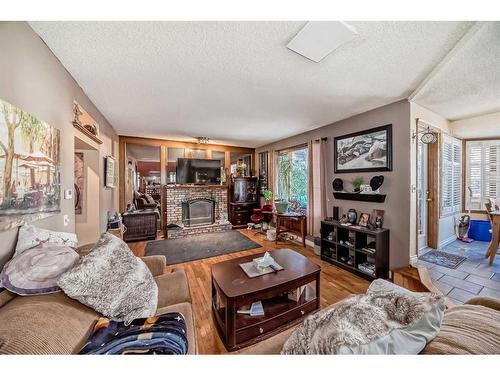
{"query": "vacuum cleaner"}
(462, 226)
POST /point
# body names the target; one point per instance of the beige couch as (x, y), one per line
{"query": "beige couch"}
(57, 324)
(473, 328)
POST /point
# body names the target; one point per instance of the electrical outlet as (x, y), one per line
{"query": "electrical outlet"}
(66, 220)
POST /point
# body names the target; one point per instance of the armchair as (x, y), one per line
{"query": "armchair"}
(144, 201)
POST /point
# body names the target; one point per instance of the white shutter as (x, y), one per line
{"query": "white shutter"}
(483, 173)
(451, 175)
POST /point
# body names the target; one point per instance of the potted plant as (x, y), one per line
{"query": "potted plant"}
(356, 183)
(268, 196)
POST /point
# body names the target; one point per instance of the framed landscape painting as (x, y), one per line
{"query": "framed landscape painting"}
(365, 151)
(29, 167)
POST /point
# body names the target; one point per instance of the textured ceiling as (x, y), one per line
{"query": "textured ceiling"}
(469, 83)
(236, 82)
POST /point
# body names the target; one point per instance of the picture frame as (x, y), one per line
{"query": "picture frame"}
(110, 172)
(30, 165)
(364, 220)
(378, 218)
(364, 151)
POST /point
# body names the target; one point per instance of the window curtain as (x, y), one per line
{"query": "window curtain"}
(317, 210)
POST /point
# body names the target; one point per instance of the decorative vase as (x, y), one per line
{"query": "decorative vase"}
(352, 216)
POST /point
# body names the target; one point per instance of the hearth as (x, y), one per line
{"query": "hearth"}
(198, 211)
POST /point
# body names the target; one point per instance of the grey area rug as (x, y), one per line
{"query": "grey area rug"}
(443, 259)
(200, 246)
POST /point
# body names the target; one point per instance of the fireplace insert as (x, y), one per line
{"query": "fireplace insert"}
(198, 211)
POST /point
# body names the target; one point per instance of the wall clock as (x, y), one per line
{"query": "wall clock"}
(428, 137)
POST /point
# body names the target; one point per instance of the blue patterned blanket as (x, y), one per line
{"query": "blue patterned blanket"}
(163, 334)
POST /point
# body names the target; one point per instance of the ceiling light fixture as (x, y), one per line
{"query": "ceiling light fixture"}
(318, 39)
(203, 140)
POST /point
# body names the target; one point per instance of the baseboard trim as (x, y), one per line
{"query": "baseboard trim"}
(447, 241)
(414, 260)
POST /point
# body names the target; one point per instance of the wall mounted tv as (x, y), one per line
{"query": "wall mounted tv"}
(198, 171)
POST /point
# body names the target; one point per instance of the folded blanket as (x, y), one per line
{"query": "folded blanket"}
(163, 334)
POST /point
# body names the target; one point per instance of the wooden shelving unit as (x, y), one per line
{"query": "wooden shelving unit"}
(377, 198)
(87, 133)
(351, 254)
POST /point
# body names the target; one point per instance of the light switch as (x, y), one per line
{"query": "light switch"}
(66, 220)
(68, 194)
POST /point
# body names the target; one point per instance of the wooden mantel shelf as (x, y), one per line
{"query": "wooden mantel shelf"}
(86, 132)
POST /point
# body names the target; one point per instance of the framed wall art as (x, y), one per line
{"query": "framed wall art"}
(110, 172)
(30, 187)
(365, 151)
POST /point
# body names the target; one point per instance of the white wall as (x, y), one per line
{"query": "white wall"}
(32, 78)
(485, 126)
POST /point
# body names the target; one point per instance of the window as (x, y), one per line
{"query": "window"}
(451, 175)
(483, 173)
(292, 181)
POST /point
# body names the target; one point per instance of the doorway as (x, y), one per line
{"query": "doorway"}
(427, 188)
(86, 188)
(422, 195)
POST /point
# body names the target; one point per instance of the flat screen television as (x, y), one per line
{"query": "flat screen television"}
(198, 171)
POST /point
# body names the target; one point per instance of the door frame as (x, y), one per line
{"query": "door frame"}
(433, 186)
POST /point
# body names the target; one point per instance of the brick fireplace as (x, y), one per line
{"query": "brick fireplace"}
(195, 209)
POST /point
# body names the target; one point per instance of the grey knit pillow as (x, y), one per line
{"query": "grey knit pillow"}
(112, 281)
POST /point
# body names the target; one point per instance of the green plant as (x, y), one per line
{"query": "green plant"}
(268, 195)
(357, 182)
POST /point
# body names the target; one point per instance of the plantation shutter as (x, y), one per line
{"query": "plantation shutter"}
(451, 175)
(483, 173)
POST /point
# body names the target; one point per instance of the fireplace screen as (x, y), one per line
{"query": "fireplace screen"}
(198, 211)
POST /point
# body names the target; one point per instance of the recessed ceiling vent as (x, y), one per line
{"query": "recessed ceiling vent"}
(318, 39)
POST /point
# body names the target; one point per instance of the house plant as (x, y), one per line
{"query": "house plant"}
(268, 196)
(356, 183)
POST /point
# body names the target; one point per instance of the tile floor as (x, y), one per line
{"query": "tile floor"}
(474, 277)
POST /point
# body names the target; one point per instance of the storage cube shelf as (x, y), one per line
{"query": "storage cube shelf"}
(349, 248)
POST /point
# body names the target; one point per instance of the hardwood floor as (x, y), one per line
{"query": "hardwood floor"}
(336, 284)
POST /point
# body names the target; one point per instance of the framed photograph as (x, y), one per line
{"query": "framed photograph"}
(378, 218)
(365, 151)
(110, 172)
(364, 220)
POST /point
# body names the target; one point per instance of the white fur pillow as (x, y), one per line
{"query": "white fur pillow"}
(112, 281)
(30, 236)
(386, 320)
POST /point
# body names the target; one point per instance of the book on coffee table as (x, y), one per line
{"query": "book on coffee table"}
(255, 310)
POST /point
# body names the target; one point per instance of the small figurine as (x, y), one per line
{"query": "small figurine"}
(343, 219)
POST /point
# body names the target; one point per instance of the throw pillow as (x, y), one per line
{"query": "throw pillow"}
(30, 236)
(386, 320)
(37, 270)
(112, 281)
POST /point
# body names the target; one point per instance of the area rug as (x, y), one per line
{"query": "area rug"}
(442, 259)
(200, 246)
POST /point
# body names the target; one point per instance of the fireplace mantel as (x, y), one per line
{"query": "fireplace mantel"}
(191, 186)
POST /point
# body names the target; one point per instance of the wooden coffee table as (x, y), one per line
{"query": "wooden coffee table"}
(232, 289)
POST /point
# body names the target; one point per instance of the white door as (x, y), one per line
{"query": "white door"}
(423, 193)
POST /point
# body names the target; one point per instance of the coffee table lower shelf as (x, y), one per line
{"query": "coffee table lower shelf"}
(240, 330)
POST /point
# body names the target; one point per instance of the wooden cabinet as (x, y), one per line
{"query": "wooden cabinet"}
(140, 225)
(244, 197)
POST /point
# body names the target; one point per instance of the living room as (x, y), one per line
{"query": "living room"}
(250, 187)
